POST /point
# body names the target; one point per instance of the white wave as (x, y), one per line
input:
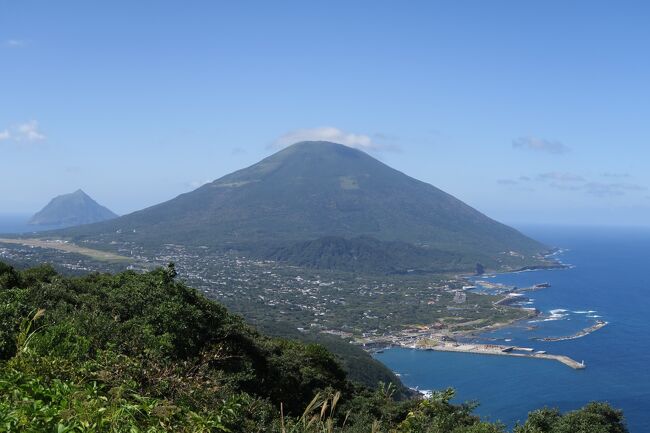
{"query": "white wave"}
(554, 318)
(556, 314)
(426, 393)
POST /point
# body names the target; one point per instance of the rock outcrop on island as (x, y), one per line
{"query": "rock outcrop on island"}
(72, 209)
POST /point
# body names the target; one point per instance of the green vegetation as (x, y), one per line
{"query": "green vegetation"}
(145, 353)
(313, 190)
(358, 364)
(365, 254)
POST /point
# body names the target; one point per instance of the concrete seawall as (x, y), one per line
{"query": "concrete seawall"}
(599, 324)
(489, 349)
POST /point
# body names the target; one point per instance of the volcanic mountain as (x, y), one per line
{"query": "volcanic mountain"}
(322, 199)
(71, 209)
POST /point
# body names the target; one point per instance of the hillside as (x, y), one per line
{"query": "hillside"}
(367, 254)
(144, 352)
(72, 209)
(314, 190)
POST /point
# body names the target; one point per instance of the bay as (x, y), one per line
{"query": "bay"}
(610, 281)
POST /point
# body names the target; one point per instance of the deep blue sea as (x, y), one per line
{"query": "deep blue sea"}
(610, 281)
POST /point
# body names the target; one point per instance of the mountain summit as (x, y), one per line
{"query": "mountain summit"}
(313, 190)
(72, 209)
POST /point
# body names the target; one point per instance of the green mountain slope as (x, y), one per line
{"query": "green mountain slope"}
(367, 254)
(312, 190)
(70, 210)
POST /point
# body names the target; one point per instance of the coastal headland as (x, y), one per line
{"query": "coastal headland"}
(435, 338)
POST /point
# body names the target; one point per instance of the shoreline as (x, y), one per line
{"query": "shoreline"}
(447, 342)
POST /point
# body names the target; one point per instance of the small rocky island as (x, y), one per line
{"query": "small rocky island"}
(72, 209)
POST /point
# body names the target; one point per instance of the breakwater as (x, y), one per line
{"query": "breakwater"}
(493, 349)
(599, 324)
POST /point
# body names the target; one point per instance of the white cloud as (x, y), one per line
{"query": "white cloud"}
(197, 183)
(540, 145)
(29, 132)
(14, 43)
(562, 180)
(617, 175)
(522, 183)
(612, 189)
(563, 177)
(329, 133)
(574, 182)
(22, 133)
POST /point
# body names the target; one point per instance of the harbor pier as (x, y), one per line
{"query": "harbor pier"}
(493, 349)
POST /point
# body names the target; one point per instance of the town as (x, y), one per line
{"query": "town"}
(366, 310)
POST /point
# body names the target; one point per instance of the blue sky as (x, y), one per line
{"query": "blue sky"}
(529, 111)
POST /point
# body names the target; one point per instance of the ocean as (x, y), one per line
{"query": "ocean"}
(17, 223)
(609, 280)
